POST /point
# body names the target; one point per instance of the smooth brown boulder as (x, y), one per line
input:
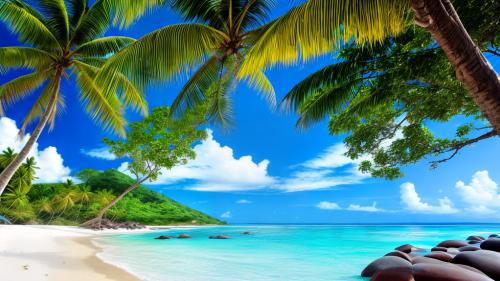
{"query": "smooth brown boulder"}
(417, 260)
(439, 249)
(399, 254)
(163, 237)
(442, 256)
(492, 244)
(445, 272)
(407, 248)
(494, 236)
(486, 261)
(475, 237)
(393, 274)
(468, 248)
(184, 236)
(452, 244)
(384, 263)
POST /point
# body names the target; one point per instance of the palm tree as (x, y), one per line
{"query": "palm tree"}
(63, 39)
(6, 157)
(314, 26)
(216, 40)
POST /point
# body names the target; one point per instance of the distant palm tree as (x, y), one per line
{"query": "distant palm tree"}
(216, 40)
(104, 197)
(6, 157)
(61, 39)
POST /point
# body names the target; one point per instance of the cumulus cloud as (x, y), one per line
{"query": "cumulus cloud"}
(481, 195)
(243, 201)
(226, 215)
(413, 202)
(216, 168)
(329, 169)
(100, 153)
(326, 205)
(49, 161)
(371, 209)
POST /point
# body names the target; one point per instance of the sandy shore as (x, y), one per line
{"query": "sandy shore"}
(55, 253)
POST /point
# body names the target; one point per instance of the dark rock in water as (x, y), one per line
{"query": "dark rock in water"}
(486, 261)
(393, 274)
(419, 259)
(399, 254)
(492, 244)
(468, 248)
(184, 236)
(163, 237)
(494, 236)
(445, 272)
(247, 233)
(407, 248)
(452, 244)
(219, 237)
(472, 242)
(439, 249)
(475, 237)
(442, 256)
(384, 263)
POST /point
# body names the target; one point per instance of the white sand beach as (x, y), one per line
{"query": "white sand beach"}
(55, 253)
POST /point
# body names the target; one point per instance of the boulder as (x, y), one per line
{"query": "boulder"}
(445, 272)
(393, 274)
(468, 248)
(475, 237)
(472, 242)
(439, 249)
(453, 251)
(492, 244)
(219, 237)
(399, 254)
(452, 244)
(163, 237)
(486, 261)
(247, 233)
(494, 236)
(184, 236)
(384, 263)
(417, 260)
(407, 248)
(442, 256)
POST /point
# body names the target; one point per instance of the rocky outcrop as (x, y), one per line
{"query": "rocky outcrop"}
(219, 237)
(184, 236)
(164, 237)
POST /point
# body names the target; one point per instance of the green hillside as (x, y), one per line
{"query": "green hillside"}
(72, 204)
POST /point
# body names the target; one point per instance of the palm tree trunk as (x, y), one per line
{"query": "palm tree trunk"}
(10, 170)
(96, 222)
(471, 67)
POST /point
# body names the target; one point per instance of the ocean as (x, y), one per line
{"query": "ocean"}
(272, 252)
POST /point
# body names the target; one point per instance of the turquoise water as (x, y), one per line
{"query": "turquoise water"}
(272, 253)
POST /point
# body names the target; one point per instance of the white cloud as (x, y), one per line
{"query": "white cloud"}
(215, 168)
(413, 202)
(481, 195)
(329, 169)
(49, 161)
(100, 153)
(326, 205)
(358, 208)
(243, 201)
(226, 215)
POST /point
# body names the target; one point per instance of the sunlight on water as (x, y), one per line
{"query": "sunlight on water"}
(271, 253)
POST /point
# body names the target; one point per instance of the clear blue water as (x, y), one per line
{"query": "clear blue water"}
(272, 253)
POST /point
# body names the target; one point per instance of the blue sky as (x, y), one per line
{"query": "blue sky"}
(263, 170)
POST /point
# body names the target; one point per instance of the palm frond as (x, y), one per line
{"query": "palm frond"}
(18, 88)
(94, 22)
(24, 57)
(126, 11)
(76, 10)
(261, 83)
(57, 18)
(162, 54)
(254, 13)
(104, 46)
(314, 27)
(106, 109)
(196, 87)
(28, 26)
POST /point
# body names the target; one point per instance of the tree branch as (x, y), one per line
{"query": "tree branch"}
(460, 145)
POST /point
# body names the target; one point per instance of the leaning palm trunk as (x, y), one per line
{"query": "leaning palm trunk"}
(11, 169)
(95, 223)
(471, 67)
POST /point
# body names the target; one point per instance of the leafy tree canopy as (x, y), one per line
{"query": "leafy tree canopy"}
(386, 97)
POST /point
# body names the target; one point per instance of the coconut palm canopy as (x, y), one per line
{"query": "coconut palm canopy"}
(230, 40)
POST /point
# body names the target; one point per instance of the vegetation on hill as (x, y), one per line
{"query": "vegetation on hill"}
(72, 204)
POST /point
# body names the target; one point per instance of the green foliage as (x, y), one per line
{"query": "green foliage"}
(72, 204)
(385, 97)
